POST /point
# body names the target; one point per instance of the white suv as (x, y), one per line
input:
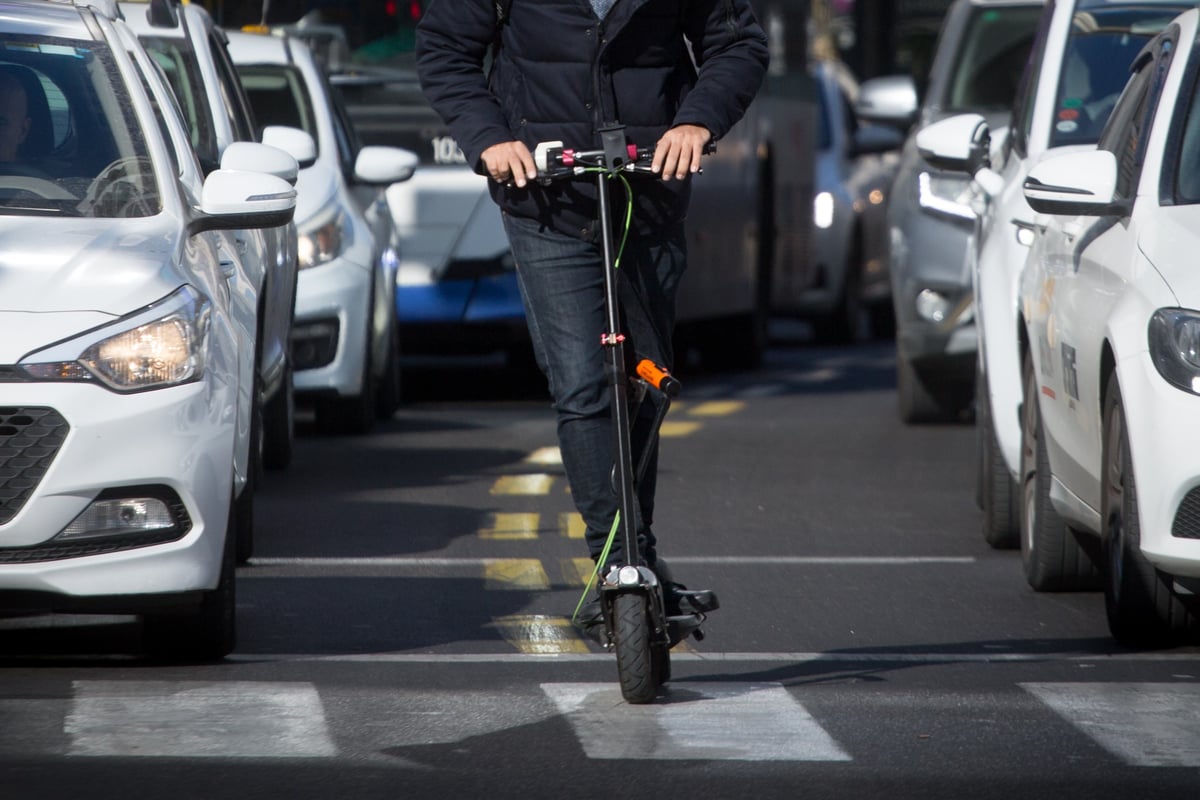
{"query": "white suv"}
(127, 337)
(1078, 66)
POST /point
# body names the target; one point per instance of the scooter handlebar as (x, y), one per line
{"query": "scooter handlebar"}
(553, 160)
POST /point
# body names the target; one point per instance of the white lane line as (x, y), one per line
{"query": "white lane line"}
(1143, 724)
(197, 719)
(698, 721)
(948, 657)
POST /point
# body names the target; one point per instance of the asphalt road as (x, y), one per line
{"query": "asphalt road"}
(404, 626)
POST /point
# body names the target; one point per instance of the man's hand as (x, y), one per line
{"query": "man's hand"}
(509, 162)
(678, 151)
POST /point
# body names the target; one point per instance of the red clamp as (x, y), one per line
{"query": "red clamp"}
(609, 339)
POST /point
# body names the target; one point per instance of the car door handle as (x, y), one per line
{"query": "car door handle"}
(228, 269)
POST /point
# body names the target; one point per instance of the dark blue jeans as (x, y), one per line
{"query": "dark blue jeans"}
(562, 285)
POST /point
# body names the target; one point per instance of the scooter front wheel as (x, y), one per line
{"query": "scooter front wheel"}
(635, 659)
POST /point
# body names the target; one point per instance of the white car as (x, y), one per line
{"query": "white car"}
(191, 50)
(1110, 324)
(127, 338)
(345, 349)
(1078, 66)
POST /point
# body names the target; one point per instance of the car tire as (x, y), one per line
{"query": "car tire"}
(207, 632)
(354, 415)
(279, 424)
(915, 403)
(1142, 608)
(1051, 555)
(389, 394)
(841, 325)
(998, 491)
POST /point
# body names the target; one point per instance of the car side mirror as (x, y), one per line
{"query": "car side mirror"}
(1079, 183)
(237, 200)
(255, 157)
(382, 166)
(888, 100)
(960, 143)
(297, 143)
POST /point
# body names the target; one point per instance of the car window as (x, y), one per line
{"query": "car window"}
(343, 131)
(278, 96)
(1027, 90)
(83, 134)
(1100, 47)
(179, 65)
(1184, 162)
(824, 123)
(1123, 136)
(237, 108)
(993, 50)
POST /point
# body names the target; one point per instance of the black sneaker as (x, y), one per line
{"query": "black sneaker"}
(678, 599)
(589, 619)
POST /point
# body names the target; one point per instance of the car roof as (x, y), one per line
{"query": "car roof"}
(259, 47)
(54, 17)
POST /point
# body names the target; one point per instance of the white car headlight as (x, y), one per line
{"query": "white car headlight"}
(322, 241)
(164, 344)
(947, 194)
(823, 210)
(1174, 337)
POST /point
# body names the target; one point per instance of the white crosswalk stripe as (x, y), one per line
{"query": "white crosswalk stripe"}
(1143, 724)
(227, 719)
(742, 722)
(1139, 724)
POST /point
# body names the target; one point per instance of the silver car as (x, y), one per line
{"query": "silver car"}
(981, 51)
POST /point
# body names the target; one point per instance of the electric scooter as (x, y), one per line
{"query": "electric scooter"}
(636, 623)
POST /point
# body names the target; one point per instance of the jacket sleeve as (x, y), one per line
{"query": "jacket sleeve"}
(453, 38)
(730, 50)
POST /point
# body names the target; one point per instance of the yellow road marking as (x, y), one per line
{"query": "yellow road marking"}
(571, 525)
(544, 455)
(507, 526)
(716, 408)
(577, 571)
(541, 634)
(523, 484)
(508, 574)
(671, 429)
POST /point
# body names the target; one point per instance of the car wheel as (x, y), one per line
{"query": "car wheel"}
(352, 415)
(387, 398)
(207, 632)
(914, 401)
(841, 325)
(279, 424)
(1050, 554)
(1141, 607)
(997, 489)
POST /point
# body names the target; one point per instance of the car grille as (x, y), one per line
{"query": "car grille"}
(29, 440)
(1187, 517)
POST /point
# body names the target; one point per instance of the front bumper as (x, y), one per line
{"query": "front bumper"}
(179, 440)
(1159, 419)
(334, 296)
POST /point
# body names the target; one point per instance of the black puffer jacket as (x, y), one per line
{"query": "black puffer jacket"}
(561, 74)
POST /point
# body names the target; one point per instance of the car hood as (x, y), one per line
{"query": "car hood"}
(57, 279)
(1169, 242)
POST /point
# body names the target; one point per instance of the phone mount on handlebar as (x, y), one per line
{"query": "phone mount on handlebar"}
(612, 141)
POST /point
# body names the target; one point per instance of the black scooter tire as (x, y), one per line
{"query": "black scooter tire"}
(635, 660)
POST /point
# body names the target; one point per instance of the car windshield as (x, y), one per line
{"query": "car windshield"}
(388, 108)
(181, 67)
(994, 48)
(1102, 44)
(278, 96)
(70, 142)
